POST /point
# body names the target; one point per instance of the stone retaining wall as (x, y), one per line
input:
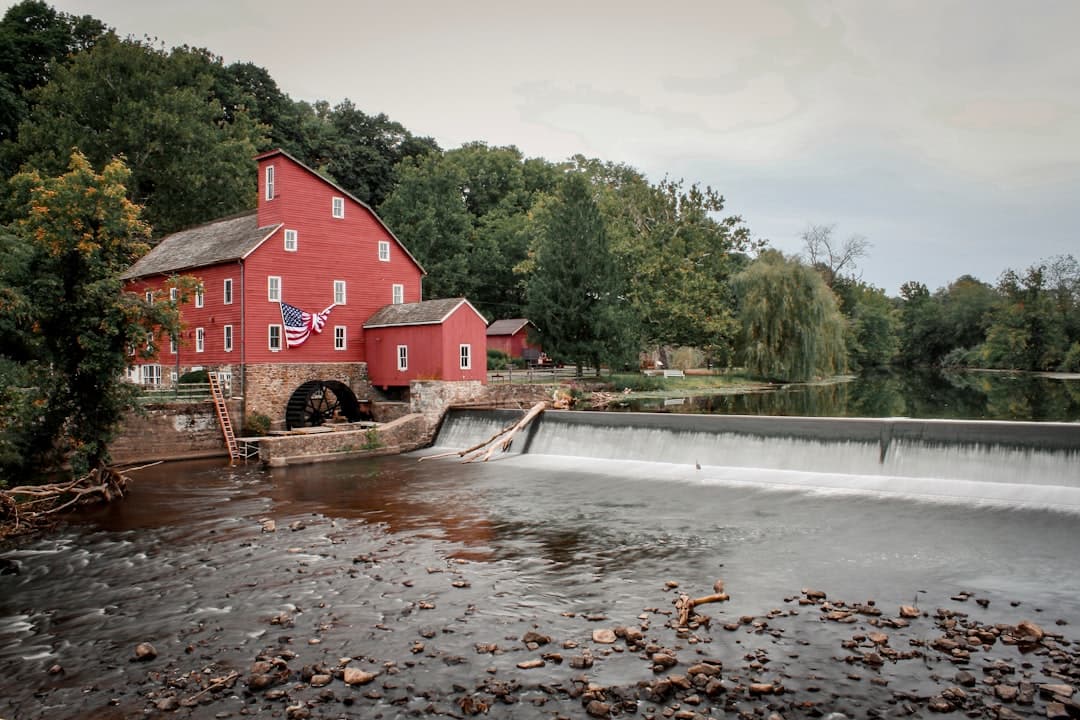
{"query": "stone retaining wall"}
(402, 435)
(171, 431)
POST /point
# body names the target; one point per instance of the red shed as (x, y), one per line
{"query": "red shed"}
(512, 337)
(430, 340)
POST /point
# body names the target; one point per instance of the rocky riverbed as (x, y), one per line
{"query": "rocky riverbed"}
(379, 592)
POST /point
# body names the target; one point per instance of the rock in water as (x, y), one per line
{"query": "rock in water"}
(145, 651)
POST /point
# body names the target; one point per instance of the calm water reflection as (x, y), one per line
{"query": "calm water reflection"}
(896, 393)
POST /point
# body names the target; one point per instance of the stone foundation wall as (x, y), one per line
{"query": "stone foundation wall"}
(385, 412)
(171, 431)
(402, 435)
(269, 386)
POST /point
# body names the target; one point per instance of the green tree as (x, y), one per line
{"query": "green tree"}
(77, 329)
(872, 339)
(33, 36)
(159, 111)
(575, 291)
(923, 340)
(792, 328)
(1028, 332)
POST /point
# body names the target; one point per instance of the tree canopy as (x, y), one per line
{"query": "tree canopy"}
(73, 328)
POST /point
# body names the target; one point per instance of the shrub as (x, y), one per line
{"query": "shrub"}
(497, 360)
(195, 376)
(256, 424)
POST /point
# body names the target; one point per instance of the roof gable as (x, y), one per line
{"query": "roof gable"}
(217, 242)
(510, 326)
(427, 312)
(279, 152)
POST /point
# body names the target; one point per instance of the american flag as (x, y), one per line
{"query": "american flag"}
(299, 324)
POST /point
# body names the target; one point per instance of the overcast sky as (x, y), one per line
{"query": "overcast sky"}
(947, 133)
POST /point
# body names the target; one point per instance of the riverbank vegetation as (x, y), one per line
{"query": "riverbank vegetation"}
(606, 262)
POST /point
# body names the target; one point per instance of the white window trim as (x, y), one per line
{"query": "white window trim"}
(402, 357)
(200, 340)
(151, 372)
(337, 207)
(340, 337)
(150, 296)
(465, 356)
(269, 182)
(384, 251)
(227, 337)
(226, 291)
(174, 294)
(270, 337)
(294, 236)
(270, 294)
(173, 345)
(339, 284)
(200, 298)
(397, 296)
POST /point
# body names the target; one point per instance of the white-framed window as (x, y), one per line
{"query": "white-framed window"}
(200, 297)
(200, 339)
(173, 376)
(273, 334)
(150, 296)
(174, 294)
(269, 182)
(172, 345)
(465, 356)
(151, 374)
(384, 250)
(399, 294)
(292, 241)
(402, 357)
(228, 338)
(339, 292)
(273, 288)
(225, 380)
(337, 207)
(339, 337)
(226, 292)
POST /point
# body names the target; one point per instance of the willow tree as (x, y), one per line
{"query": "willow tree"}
(791, 325)
(77, 329)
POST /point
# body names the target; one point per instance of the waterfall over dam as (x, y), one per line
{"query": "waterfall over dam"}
(1009, 463)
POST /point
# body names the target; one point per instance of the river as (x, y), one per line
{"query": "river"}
(430, 574)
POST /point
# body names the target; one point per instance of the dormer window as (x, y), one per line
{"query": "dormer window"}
(291, 241)
(337, 207)
(269, 182)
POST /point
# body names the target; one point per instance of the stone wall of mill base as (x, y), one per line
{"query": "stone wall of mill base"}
(171, 431)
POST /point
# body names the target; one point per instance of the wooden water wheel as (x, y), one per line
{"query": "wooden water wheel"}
(318, 401)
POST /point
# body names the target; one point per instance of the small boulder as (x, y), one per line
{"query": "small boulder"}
(356, 676)
(145, 651)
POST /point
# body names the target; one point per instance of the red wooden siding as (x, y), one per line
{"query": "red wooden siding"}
(328, 249)
(513, 345)
(434, 350)
(212, 317)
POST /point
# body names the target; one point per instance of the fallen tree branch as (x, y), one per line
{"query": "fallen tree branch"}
(477, 446)
(503, 440)
(685, 603)
(33, 503)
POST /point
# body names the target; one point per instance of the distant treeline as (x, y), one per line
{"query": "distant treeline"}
(604, 261)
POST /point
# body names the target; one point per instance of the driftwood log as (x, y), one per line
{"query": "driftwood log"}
(32, 504)
(501, 439)
(685, 603)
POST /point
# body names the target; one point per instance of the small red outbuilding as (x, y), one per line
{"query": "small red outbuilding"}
(429, 340)
(511, 336)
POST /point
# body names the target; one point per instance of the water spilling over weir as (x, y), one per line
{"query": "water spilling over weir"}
(1009, 463)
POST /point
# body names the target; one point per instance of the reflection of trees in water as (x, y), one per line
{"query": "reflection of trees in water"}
(903, 393)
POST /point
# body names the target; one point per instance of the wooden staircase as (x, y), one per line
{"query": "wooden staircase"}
(235, 453)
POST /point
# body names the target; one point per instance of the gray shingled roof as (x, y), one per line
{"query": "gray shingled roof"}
(217, 242)
(428, 312)
(507, 327)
